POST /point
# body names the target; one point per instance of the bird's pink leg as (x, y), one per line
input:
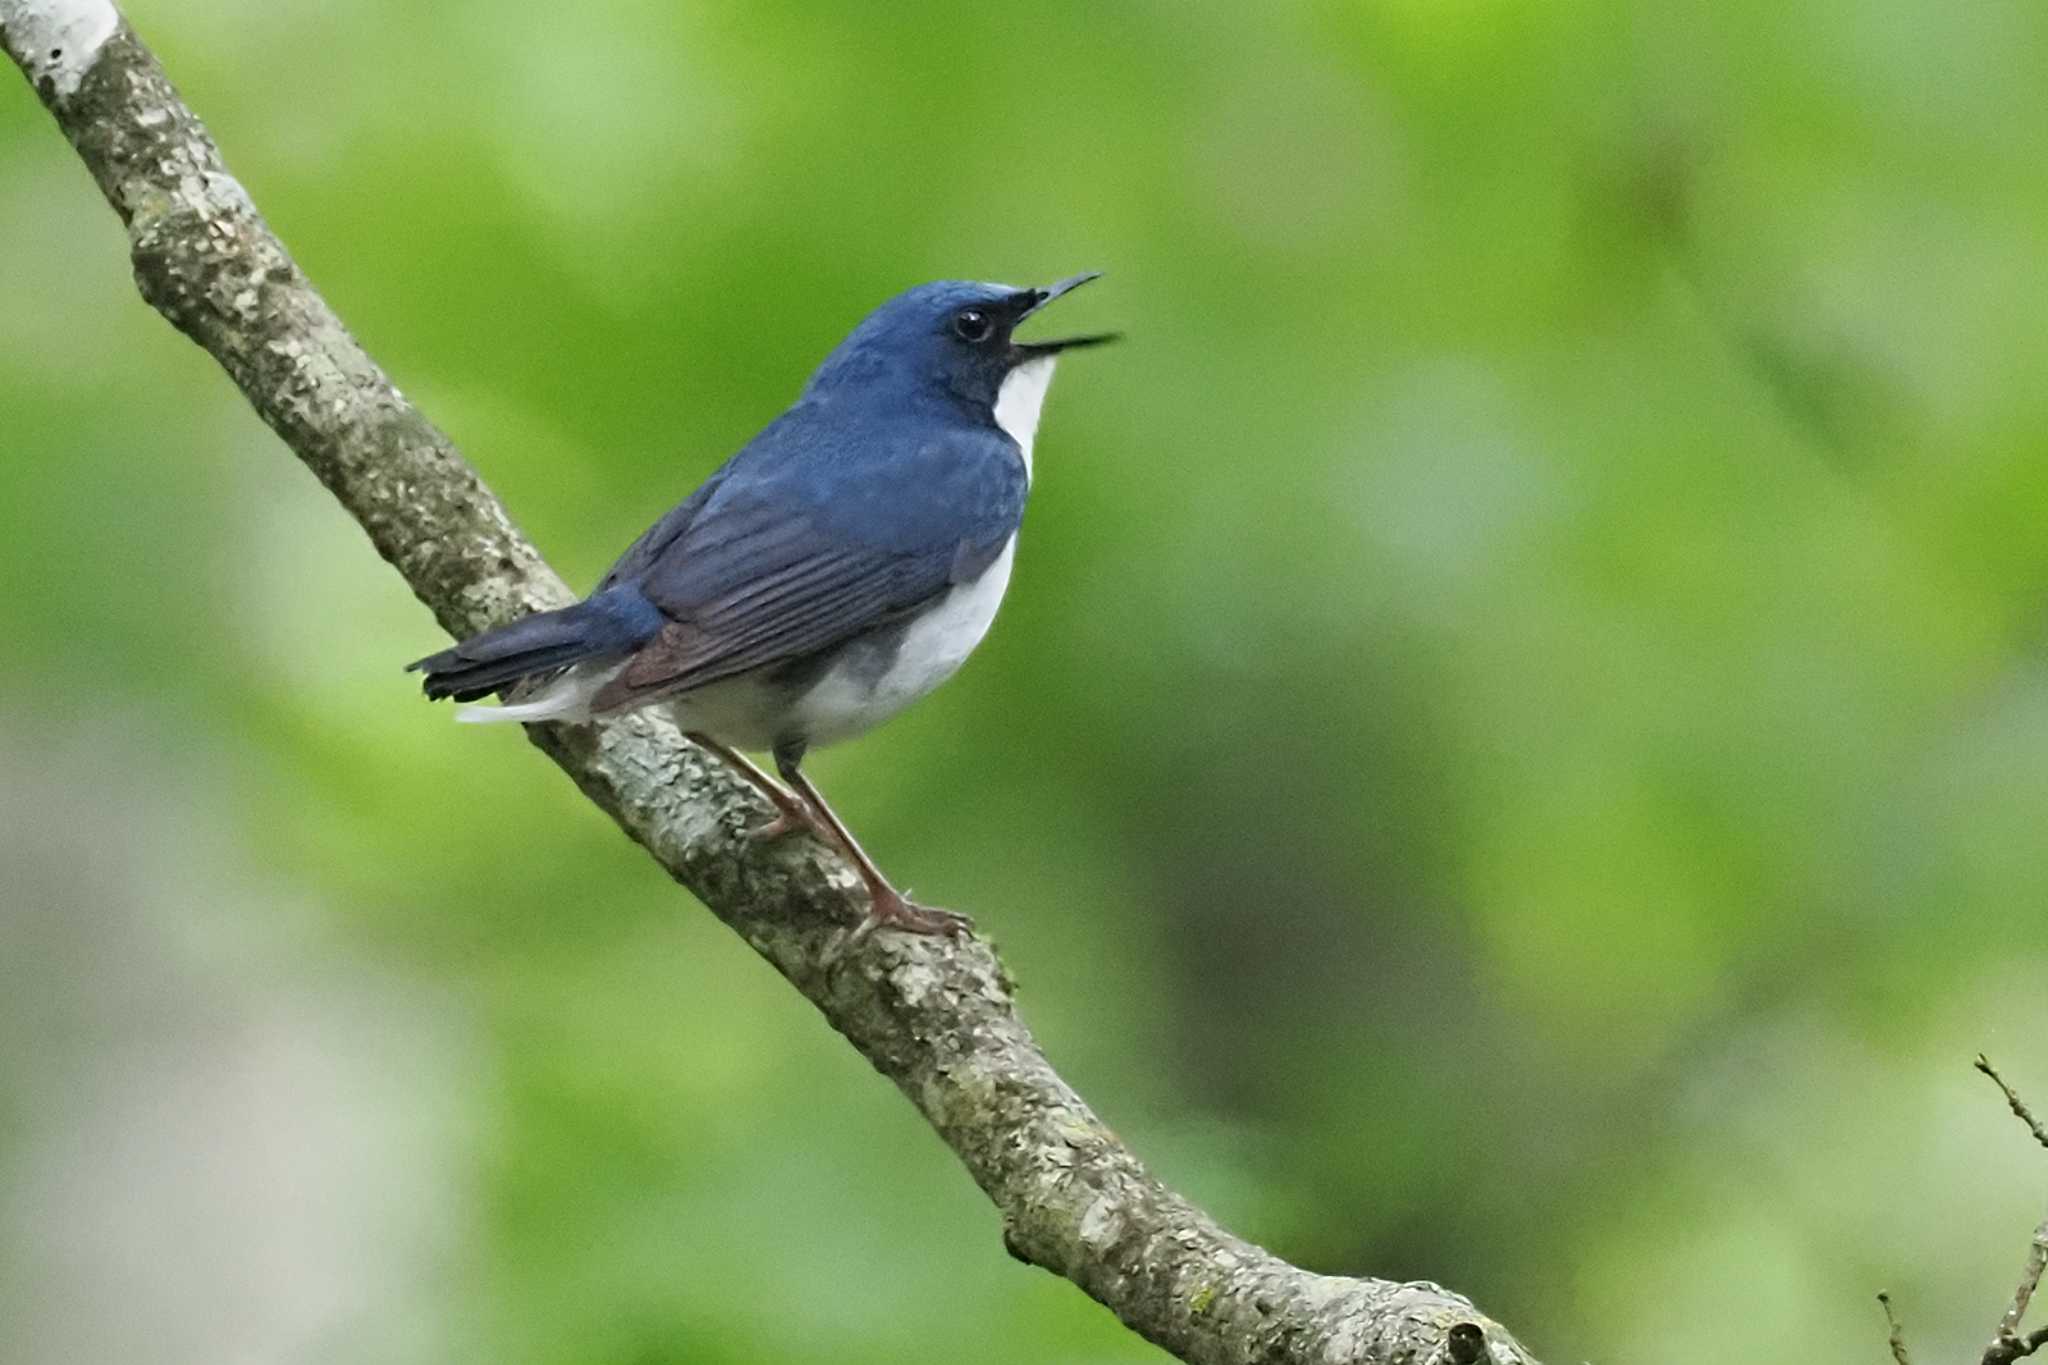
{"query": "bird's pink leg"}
(888, 908)
(791, 814)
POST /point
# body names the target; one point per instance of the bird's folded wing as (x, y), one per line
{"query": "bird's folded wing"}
(818, 531)
(748, 593)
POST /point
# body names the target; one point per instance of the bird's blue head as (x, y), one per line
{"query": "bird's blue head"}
(950, 340)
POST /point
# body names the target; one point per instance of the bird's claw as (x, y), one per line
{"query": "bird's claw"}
(787, 822)
(893, 910)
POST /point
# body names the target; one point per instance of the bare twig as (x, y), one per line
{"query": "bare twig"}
(2007, 1345)
(2005, 1350)
(2030, 1281)
(1894, 1332)
(2012, 1099)
(933, 1015)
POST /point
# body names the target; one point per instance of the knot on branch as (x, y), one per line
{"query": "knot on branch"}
(1465, 1344)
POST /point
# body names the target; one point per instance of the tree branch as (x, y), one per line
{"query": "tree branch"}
(934, 1016)
(2007, 1345)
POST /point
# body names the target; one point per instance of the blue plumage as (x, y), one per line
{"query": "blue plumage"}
(798, 546)
(839, 566)
(607, 624)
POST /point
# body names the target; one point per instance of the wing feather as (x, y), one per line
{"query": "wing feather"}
(780, 555)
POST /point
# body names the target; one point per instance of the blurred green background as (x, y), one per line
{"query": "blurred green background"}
(1517, 752)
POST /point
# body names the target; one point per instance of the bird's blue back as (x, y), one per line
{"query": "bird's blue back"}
(836, 477)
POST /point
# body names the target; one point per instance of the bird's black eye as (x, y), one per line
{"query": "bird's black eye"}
(971, 325)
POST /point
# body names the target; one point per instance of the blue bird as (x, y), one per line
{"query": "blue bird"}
(839, 567)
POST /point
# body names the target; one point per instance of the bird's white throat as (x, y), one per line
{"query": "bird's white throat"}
(1019, 401)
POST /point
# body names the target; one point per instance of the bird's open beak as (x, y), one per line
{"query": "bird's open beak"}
(1032, 300)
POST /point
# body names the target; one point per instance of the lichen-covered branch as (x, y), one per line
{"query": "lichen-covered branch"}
(933, 1015)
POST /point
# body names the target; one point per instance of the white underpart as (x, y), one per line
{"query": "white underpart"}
(845, 704)
(58, 40)
(1019, 401)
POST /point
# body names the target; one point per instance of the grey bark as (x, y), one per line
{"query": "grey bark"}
(934, 1016)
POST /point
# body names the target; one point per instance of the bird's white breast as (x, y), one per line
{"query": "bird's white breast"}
(848, 700)
(1020, 400)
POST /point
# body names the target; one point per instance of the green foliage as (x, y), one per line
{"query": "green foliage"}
(1517, 753)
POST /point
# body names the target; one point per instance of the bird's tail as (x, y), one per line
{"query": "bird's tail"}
(602, 630)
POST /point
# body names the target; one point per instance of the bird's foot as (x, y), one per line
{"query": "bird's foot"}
(890, 909)
(789, 819)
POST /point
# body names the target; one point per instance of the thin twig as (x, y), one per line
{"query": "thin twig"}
(1895, 1333)
(2005, 1350)
(2007, 1345)
(2019, 1106)
(2030, 1281)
